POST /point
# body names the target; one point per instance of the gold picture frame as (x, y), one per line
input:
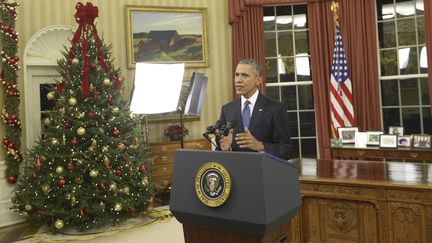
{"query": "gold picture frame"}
(166, 35)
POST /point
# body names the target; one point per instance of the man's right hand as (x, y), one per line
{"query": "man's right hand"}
(226, 141)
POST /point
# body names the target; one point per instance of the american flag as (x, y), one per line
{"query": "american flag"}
(342, 112)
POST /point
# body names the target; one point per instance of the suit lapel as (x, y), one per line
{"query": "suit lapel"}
(257, 113)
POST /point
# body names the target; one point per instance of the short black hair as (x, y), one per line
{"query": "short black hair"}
(257, 66)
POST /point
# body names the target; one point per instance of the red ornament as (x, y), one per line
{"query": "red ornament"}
(11, 179)
(5, 141)
(34, 175)
(62, 182)
(11, 145)
(132, 211)
(74, 141)
(66, 124)
(11, 93)
(142, 168)
(116, 132)
(70, 166)
(118, 172)
(38, 163)
(82, 213)
(90, 114)
(102, 185)
(120, 146)
(40, 212)
(12, 117)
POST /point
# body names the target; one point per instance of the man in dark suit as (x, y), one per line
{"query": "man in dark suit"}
(262, 124)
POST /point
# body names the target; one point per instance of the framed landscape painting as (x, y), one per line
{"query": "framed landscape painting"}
(167, 35)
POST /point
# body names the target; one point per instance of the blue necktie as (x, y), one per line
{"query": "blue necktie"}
(246, 115)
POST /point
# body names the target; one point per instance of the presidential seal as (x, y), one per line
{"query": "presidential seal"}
(212, 184)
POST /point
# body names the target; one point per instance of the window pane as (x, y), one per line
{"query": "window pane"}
(271, 71)
(409, 92)
(45, 104)
(404, 8)
(295, 149)
(273, 92)
(309, 149)
(270, 44)
(307, 124)
(411, 120)
(385, 9)
(387, 34)
(289, 97)
(389, 92)
(269, 18)
(303, 68)
(306, 100)
(302, 42)
(420, 30)
(284, 18)
(293, 124)
(286, 70)
(408, 60)
(423, 59)
(388, 63)
(406, 32)
(424, 91)
(391, 117)
(427, 124)
(300, 16)
(286, 43)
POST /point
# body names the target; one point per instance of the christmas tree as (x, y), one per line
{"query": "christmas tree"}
(89, 168)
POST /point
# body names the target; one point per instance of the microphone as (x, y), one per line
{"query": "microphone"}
(224, 130)
(212, 129)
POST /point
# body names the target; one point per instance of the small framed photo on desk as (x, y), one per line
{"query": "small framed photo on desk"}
(396, 131)
(388, 141)
(421, 141)
(347, 134)
(404, 141)
(373, 137)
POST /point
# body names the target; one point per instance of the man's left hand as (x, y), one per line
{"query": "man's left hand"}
(247, 140)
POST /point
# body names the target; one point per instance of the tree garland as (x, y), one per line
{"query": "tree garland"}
(8, 78)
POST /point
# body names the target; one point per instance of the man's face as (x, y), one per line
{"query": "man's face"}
(246, 80)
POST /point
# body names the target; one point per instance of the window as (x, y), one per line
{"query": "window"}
(288, 72)
(403, 65)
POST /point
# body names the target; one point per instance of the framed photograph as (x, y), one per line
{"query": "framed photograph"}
(421, 141)
(335, 142)
(396, 131)
(388, 141)
(167, 35)
(404, 141)
(347, 134)
(360, 140)
(373, 137)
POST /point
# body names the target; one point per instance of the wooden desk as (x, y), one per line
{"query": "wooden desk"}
(364, 201)
(351, 152)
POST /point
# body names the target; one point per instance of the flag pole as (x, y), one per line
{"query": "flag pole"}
(334, 8)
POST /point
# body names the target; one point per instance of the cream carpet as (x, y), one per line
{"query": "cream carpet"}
(138, 230)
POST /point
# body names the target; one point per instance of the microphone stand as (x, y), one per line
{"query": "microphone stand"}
(180, 110)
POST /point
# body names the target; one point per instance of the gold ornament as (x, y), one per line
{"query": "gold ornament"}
(91, 149)
(62, 111)
(101, 130)
(59, 169)
(126, 190)
(131, 116)
(94, 143)
(145, 181)
(47, 121)
(102, 206)
(115, 110)
(51, 95)
(93, 173)
(107, 81)
(55, 141)
(46, 189)
(73, 201)
(81, 131)
(28, 207)
(72, 101)
(78, 179)
(106, 161)
(118, 207)
(59, 224)
(113, 186)
(105, 149)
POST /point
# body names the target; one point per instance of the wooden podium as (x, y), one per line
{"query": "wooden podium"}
(264, 196)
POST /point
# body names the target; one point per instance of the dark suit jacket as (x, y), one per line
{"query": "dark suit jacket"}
(269, 124)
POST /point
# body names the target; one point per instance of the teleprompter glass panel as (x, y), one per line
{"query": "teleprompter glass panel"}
(411, 120)
(389, 92)
(285, 41)
(409, 92)
(388, 61)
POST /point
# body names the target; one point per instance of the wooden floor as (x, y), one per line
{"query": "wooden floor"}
(16, 232)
